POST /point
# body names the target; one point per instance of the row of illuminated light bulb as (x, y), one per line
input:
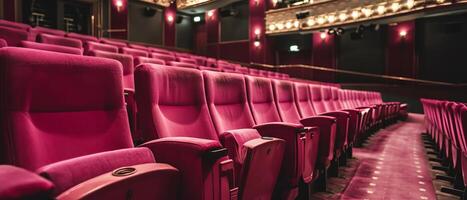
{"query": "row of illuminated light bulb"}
(343, 16)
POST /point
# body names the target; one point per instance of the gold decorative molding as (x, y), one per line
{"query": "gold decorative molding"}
(163, 3)
(341, 12)
(183, 4)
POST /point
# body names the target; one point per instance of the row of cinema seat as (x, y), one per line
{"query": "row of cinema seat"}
(221, 135)
(22, 35)
(446, 124)
(219, 131)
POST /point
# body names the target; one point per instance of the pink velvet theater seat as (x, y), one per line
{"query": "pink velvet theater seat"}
(59, 40)
(115, 42)
(140, 60)
(229, 109)
(51, 47)
(166, 57)
(295, 168)
(91, 46)
(83, 38)
(181, 64)
(133, 52)
(187, 60)
(13, 36)
(16, 25)
(67, 121)
(172, 106)
(137, 46)
(3, 43)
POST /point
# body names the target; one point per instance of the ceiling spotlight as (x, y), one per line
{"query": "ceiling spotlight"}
(367, 12)
(288, 25)
(272, 27)
(331, 18)
(343, 16)
(395, 7)
(296, 24)
(355, 14)
(280, 26)
(331, 31)
(381, 9)
(310, 22)
(410, 4)
(439, 1)
(340, 31)
(320, 20)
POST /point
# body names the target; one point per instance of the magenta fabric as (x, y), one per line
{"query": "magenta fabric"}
(303, 101)
(68, 173)
(161, 51)
(181, 64)
(51, 47)
(59, 40)
(140, 60)
(13, 36)
(90, 46)
(164, 93)
(83, 38)
(227, 101)
(15, 25)
(187, 60)
(166, 57)
(19, 184)
(133, 52)
(38, 30)
(3, 43)
(114, 42)
(316, 99)
(261, 100)
(137, 46)
(285, 101)
(126, 62)
(83, 114)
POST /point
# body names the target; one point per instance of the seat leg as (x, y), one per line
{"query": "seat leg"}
(321, 183)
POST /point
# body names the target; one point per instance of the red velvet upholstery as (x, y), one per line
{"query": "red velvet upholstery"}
(33, 99)
(3, 43)
(140, 60)
(166, 57)
(113, 42)
(265, 113)
(161, 51)
(13, 36)
(187, 60)
(126, 64)
(19, 184)
(181, 64)
(91, 46)
(6, 23)
(59, 40)
(51, 47)
(137, 46)
(133, 52)
(164, 93)
(83, 38)
(71, 172)
(38, 30)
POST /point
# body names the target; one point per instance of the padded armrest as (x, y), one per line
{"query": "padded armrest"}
(279, 126)
(327, 128)
(150, 180)
(337, 114)
(319, 121)
(196, 158)
(18, 183)
(234, 141)
(357, 112)
(68, 173)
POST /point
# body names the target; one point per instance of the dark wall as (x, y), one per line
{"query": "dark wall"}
(282, 43)
(142, 27)
(443, 48)
(363, 55)
(235, 27)
(184, 31)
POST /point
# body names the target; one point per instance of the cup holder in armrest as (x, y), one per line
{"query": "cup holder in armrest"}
(124, 171)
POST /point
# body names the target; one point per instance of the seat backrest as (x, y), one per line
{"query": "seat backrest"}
(180, 64)
(15, 25)
(3, 43)
(62, 107)
(166, 57)
(316, 99)
(39, 30)
(59, 40)
(253, 72)
(200, 60)
(338, 103)
(172, 102)
(261, 100)
(285, 101)
(91, 46)
(137, 46)
(303, 101)
(51, 47)
(161, 51)
(326, 95)
(140, 60)
(115, 42)
(187, 60)
(13, 36)
(83, 38)
(133, 52)
(227, 101)
(126, 64)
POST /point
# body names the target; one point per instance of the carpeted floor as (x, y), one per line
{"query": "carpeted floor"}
(392, 164)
